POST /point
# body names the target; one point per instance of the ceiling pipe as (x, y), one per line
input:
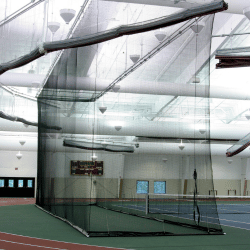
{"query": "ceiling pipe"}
(157, 129)
(155, 88)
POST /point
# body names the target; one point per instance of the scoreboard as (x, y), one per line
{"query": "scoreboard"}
(86, 168)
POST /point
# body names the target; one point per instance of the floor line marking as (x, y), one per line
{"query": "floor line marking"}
(236, 221)
(235, 227)
(13, 242)
(65, 241)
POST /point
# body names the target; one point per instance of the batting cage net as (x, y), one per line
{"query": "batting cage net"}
(124, 129)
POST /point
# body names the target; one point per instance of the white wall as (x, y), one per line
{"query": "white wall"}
(27, 165)
(223, 170)
(152, 167)
(137, 167)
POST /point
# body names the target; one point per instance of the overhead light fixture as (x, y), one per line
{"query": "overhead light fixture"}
(19, 155)
(67, 15)
(102, 109)
(22, 141)
(31, 71)
(35, 84)
(134, 58)
(116, 88)
(164, 160)
(181, 146)
(229, 161)
(202, 130)
(25, 125)
(118, 128)
(104, 144)
(53, 27)
(94, 157)
(246, 12)
(195, 79)
(198, 27)
(247, 114)
(160, 35)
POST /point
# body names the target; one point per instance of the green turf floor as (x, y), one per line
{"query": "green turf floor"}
(30, 221)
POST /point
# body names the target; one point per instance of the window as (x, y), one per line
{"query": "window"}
(11, 183)
(142, 187)
(20, 183)
(159, 187)
(1, 183)
(30, 184)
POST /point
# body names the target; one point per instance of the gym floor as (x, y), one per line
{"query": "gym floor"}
(24, 226)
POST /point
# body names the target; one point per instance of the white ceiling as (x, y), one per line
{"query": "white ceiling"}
(104, 62)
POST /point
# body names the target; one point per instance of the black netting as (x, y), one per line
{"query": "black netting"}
(130, 159)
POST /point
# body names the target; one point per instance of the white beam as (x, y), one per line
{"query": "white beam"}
(234, 7)
(134, 87)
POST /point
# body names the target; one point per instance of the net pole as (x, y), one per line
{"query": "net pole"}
(146, 207)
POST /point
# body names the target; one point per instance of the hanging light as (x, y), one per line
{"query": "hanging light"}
(246, 12)
(22, 141)
(31, 71)
(197, 27)
(118, 128)
(102, 109)
(67, 15)
(181, 145)
(160, 35)
(104, 144)
(195, 79)
(164, 160)
(53, 27)
(134, 58)
(25, 125)
(116, 88)
(35, 84)
(94, 157)
(229, 161)
(19, 155)
(247, 114)
(202, 130)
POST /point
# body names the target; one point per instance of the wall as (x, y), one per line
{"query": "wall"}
(137, 167)
(150, 167)
(27, 165)
(69, 186)
(174, 172)
(227, 176)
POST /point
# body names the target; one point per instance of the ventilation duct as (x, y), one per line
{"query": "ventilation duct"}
(98, 146)
(25, 122)
(107, 35)
(239, 146)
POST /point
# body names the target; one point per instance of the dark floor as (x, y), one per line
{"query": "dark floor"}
(28, 220)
